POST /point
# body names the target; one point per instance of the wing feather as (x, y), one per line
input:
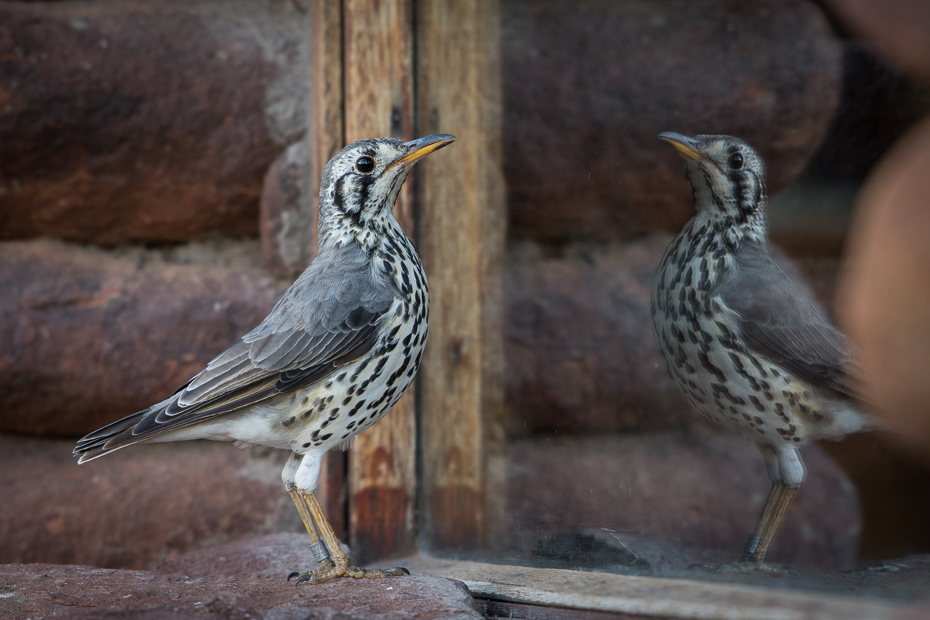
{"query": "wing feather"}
(779, 321)
(329, 317)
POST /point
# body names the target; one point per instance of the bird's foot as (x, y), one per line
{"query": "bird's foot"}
(325, 574)
(744, 567)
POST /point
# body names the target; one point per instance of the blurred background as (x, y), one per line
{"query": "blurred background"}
(152, 154)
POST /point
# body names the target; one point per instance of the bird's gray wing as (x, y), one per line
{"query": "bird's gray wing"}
(778, 321)
(328, 318)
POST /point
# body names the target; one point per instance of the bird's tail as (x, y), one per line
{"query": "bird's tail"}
(110, 438)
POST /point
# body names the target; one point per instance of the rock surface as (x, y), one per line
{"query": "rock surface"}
(288, 213)
(242, 580)
(588, 87)
(144, 121)
(138, 504)
(87, 336)
(701, 489)
(580, 355)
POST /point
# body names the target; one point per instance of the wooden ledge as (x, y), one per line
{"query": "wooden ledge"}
(654, 596)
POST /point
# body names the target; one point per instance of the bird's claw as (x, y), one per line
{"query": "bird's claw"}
(321, 575)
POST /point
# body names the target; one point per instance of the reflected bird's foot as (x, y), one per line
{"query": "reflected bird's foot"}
(747, 568)
(321, 575)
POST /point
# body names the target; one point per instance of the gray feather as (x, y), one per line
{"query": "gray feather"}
(327, 318)
(780, 322)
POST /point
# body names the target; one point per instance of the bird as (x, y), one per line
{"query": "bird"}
(743, 342)
(335, 353)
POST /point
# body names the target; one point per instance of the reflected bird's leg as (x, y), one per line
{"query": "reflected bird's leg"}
(770, 520)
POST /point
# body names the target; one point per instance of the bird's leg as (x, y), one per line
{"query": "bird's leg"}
(340, 563)
(769, 521)
(752, 560)
(317, 546)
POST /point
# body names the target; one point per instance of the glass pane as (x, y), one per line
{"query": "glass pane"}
(608, 467)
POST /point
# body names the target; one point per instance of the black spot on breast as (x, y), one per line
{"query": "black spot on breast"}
(757, 403)
(326, 436)
(711, 368)
(307, 445)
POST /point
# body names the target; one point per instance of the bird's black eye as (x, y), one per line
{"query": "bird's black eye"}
(365, 164)
(736, 161)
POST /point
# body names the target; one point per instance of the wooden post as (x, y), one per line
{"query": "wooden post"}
(378, 66)
(327, 129)
(364, 87)
(461, 222)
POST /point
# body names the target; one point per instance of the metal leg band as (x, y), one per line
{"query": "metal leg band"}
(320, 552)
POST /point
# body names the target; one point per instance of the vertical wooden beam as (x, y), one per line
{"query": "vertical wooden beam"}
(461, 219)
(378, 54)
(327, 131)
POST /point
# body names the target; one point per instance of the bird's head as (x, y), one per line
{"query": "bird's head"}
(727, 180)
(361, 183)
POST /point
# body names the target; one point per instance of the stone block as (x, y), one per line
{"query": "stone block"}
(237, 581)
(88, 336)
(702, 489)
(144, 121)
(589, 85)
(136, 505)
(580, 354)
(289, 213)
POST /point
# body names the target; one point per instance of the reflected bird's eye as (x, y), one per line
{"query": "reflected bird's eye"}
(365, 164)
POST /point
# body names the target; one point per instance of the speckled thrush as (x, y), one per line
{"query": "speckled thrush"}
(333, 356)
(742, 341)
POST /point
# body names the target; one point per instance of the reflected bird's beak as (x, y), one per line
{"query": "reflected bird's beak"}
(686, 146)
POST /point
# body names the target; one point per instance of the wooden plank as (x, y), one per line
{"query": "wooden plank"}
(656, 596)
(327, 137)
(378, 56)
(461, 220)
(522, 611)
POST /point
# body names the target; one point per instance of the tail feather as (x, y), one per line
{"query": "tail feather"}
(109, 438)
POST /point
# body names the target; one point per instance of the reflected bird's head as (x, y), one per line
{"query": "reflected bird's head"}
(727, 180)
